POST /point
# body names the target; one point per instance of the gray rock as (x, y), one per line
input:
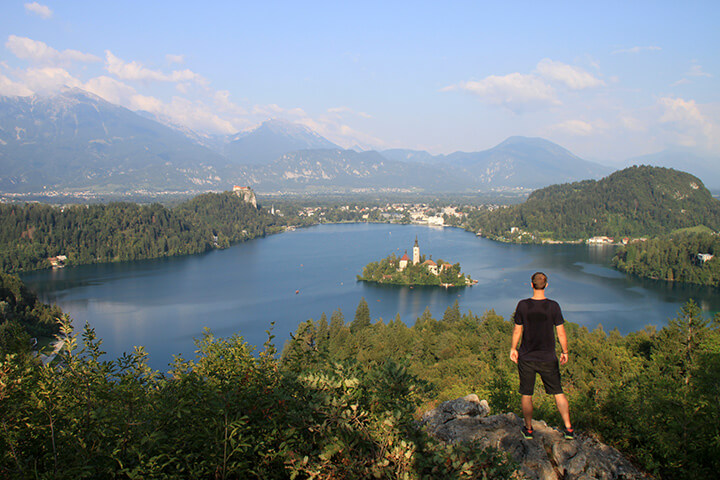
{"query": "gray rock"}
(548, 456)
(456, 410)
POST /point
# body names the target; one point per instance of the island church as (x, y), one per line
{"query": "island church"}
(432, 266)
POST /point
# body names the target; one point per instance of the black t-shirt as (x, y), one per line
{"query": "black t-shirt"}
(539, 319)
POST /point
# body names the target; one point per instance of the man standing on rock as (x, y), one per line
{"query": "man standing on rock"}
(536, 320)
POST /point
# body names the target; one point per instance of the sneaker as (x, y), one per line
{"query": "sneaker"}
(569, 433)
(527, 433)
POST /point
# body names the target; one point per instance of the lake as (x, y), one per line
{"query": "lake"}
(288, 278)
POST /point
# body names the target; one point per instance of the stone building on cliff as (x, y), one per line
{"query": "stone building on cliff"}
(246, 193)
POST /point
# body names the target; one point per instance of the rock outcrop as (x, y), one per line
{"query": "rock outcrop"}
(548, 456)
(247, 194)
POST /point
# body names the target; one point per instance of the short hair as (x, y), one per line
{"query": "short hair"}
(539, 281)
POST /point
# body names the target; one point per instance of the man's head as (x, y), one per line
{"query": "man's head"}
(539, 281)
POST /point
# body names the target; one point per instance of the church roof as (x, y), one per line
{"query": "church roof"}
(405, 257)
(429, 262)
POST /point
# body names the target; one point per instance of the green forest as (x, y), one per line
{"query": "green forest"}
(22, 315)
(675, 258)
(342, 400)
(652, 394)
(386, 271)
(31, 233)
(636, 202)
(232, 412)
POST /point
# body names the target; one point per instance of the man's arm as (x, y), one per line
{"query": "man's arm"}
(562, 338)
(516, 336)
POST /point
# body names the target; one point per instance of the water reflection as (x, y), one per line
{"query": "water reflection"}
(164, 304)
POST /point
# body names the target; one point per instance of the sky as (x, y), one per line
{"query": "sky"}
(606, 80)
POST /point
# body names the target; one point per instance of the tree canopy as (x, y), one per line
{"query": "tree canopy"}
(652, 394)
(635, 202)
(32, 233)
(680, 257)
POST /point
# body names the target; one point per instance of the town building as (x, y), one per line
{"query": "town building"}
(432, 266)
(600, 240)
(404, 261)
(58, 262)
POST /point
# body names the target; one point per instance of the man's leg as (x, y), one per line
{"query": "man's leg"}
(527, 410)
(562, 406)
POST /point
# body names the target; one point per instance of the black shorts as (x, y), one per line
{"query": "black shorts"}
(549, 373)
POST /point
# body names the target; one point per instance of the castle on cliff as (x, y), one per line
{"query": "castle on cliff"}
(246, 193)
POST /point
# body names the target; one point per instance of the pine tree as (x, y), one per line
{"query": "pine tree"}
(362, 317)
(452, 313)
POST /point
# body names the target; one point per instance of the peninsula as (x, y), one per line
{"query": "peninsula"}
(418, 271)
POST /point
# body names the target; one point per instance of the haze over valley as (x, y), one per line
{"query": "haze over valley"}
(76, 141)
(367, 102)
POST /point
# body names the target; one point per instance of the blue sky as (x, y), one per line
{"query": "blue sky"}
(607, 80)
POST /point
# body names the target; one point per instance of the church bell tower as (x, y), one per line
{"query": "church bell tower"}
(416, 252)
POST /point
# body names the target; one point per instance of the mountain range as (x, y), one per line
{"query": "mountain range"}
(76, 141)
(516, 162)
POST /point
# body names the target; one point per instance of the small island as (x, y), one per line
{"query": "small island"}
(418, 271)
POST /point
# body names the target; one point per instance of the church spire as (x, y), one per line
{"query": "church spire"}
(416, 252)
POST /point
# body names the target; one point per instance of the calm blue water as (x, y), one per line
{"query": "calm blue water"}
(164, 304)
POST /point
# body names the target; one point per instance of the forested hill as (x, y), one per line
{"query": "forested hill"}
(635, 202)
(31, 233)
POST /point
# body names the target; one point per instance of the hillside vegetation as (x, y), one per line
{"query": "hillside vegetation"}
(230, 413)
(675, 258)
(635, 202)
(342, 400)
(652, 394)
(31, 233)
(22, 315)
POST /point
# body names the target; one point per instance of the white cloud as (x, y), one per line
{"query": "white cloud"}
(120, 93)
(697, 71)
(194, 115)
(632, 124)
(515, 91)
(179, 59)
(111, 90)
(9, 88)
(573, 77)
(273, 110)
(48, 79)
(147, 103)
(136, 71)
(40, 52)
(125, 83)
(197, 116)
(340, 133)
(638, 49)
(223, 104)
(37, 9)
(683, 120)
(343, 110)
(574, 127)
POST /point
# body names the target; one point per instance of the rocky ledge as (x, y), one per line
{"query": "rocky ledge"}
(548, 456)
